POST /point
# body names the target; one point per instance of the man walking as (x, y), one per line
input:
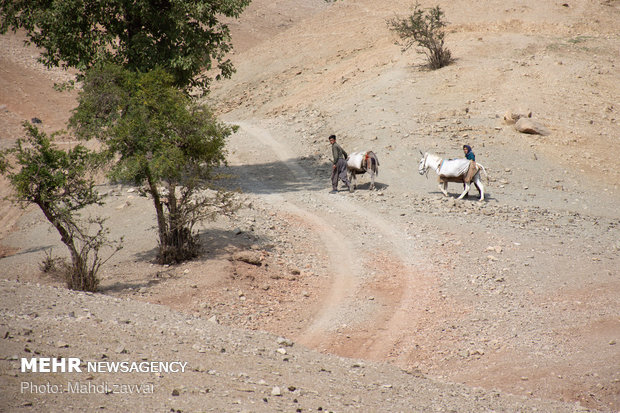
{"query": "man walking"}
(339, 169)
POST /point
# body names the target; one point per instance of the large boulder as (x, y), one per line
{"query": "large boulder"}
(250, 257)
(528, 125)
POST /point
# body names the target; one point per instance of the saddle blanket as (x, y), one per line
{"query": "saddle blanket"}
(355, 160)
(461, 170)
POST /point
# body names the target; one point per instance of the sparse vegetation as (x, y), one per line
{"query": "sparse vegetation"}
(50, 264)
(424, 28)
(58, 182)
(578, 39)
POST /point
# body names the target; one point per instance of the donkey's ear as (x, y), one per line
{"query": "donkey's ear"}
(421, 153)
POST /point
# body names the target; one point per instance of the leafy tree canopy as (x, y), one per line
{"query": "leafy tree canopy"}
(60, 183)
(184, 36)
(161, 139)
(50, 177)
(155, 128)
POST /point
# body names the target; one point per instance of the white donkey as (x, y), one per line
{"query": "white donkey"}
(361, 162)
(453, 170)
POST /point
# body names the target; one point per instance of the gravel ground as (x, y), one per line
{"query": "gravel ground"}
(397, 299)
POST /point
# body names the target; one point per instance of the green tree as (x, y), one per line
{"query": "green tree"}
(424, 28)
(184, 36)
(139, 60)
(60, 184)
(165, 141)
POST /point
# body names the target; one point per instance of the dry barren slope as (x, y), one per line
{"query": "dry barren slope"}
(340, 66)
(518, 293)
(228, 370)
(338, 71)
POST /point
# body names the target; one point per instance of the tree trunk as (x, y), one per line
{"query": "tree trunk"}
(80, 278)
(65, 236)
(173, 220)
(159, 209)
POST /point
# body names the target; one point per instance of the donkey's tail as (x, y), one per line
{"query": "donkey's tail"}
(483, 170)
(373, 160)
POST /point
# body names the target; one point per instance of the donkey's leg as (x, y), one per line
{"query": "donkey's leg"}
(478, 183)
(464, 192)
(372, 179)
(443, 187)
(353, 183)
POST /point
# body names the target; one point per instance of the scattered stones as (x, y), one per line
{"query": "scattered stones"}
(496, 248)
(491, 224)
(285, 342)
(511, 117)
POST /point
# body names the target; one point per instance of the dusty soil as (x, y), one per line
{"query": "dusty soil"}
(517, 294)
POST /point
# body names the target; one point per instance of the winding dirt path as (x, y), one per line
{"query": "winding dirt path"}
(378, 286)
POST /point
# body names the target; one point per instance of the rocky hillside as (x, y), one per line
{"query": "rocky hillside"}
(397, 299)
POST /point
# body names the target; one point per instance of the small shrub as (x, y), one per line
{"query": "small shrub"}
(50, 264)
(425, 29)
(181, 245)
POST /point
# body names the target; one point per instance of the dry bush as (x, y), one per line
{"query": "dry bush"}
(424, 28)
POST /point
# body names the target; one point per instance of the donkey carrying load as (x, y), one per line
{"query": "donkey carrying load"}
(453, 170)
(361, 162)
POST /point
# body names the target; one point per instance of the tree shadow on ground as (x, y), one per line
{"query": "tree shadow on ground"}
(23, 251)
(215, 244)
(118, 287)
(292, 175)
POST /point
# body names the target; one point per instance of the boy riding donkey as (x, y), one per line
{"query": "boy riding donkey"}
(469, 154)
